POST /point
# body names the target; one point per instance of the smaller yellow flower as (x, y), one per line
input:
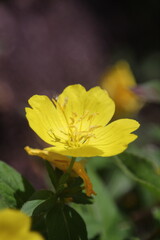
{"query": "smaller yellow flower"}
(120, 83)
(15, 225)
(61, 162)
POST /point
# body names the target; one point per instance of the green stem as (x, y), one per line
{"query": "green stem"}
(71, 165)
(123, 167)
(66, 175)
(131, 175)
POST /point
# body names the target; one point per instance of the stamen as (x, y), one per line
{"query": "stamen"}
(94, 127)
(76, 136)
(65, 102)
(53, 136)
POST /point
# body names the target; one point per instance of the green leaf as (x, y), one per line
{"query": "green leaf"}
(38, 206)
(39, 203)
(140, 170)
(119, 184)
(74, 190)
(82, 198)
(14, 188)
(103, 217)
(54, 174)
(64, 223)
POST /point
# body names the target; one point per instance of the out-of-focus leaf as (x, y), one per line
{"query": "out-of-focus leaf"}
(133, 238)
(140, 170)
(103, 217)
(156, 213)
(154, 131)
(99, 162)
(119, 184)
(64, 223)
(14, 188)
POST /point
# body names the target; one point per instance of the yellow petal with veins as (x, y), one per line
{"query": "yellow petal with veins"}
(45, 154)
(86, 108)
(41, 120)
(115, 137)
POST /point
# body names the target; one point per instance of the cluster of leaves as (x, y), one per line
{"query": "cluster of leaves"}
(57, 213)
(52, 217)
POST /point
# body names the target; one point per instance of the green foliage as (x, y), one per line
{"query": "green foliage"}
(52, 217)
(72, 188)
(156, 213)
(54, 174)
(55, 219)
(38, 203)
(103, 216)
(64, 223)
(140, 170)
(14, 188)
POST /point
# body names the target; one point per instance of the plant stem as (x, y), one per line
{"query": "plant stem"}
(71, 165)
(66, 175)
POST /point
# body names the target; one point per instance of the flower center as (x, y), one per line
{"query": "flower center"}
(80, 128)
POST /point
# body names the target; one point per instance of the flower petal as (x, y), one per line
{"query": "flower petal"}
(32, 236)
(100, 105)
(119, 81)
(120, 73)
(44, 119)
(46, 154)
(80, 171)
(115, 137)
(14, 222)
(71, 103)
(71, 100)
(83, 151)
(16, 225)
(89, 108)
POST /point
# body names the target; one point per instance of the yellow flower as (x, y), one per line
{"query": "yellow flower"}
(15, 225)
(120, 83)
(75, 125)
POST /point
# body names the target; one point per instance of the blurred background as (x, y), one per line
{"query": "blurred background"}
(47, 45)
